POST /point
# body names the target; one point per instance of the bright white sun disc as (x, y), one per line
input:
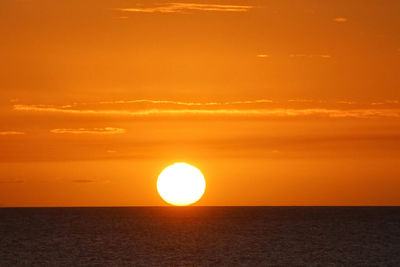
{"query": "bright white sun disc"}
(181, 184)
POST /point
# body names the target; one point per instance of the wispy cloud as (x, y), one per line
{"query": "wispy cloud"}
(380, 103)
(11, 133)
(301, 100)
(107, 130)
(150, 101)
(83, 181)
(263, 55)
(265, 112)
(310, 55)
(89, 181)
(184, 7)
(346, 102)
(340, 19)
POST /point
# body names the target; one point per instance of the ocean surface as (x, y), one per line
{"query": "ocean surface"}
(200, 236)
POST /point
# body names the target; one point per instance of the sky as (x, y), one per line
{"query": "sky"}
(276, 102)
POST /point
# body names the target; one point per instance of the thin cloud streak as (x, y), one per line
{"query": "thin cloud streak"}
(340, 19)
(310, 56)
(83, 181)
(186, 103)
(278, 112)
(88, 181)
(182, 7)
(172, 102)
(228, 103)
(11, 133)
(107, 130)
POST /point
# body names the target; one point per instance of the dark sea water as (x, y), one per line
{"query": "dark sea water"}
(200, 236)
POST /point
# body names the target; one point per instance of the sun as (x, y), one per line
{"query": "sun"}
(181, 184)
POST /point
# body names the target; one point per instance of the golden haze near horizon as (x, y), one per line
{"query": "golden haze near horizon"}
(276, 102)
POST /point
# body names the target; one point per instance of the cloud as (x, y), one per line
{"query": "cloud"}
(89, 181)
(346, 102)
(259, 112)
(301, 100)
(11, 133)
(149, 101)
(340, 19)
(83, 181)
(184, 7)
(263, 55)
(107, 130)
(310, 56)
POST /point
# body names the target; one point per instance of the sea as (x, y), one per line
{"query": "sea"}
(200, 236)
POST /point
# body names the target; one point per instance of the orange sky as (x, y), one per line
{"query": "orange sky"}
(277, 102)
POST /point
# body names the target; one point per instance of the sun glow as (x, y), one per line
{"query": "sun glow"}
(181, 184)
